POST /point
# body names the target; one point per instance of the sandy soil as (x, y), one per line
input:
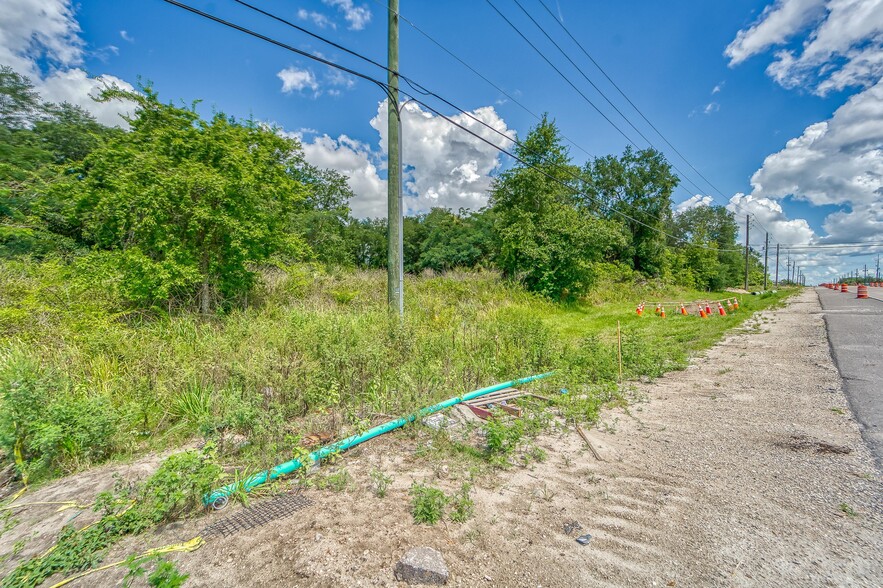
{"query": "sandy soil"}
(730, 473)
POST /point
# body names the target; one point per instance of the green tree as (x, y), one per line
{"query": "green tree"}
(544, 239)
(635, 189)
(190, 205)
(454, 240)
(19, 102)
(324, 214)
(710, 255)
(366, 239)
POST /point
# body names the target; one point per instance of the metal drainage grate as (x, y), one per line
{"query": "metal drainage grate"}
(260, 514)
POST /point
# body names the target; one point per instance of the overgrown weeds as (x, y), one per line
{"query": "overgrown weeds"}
(173, 491)
(84, 377)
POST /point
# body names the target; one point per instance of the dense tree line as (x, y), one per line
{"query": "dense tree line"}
(186, 210)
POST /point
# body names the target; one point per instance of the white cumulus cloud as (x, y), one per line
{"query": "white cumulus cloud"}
(318, 19)
(296, 80)
(776, 24)
(843, 44)
(447, 166)
(443, 165)
(358, 17)
(838, 161)
(693, 202)
(34, 32)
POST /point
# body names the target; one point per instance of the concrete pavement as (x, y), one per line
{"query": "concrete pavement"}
(855, 335)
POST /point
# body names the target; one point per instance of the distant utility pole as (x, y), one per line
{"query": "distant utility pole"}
(395, 279)
(866, 272)
(777, 265)
(878, 266)
(766, 257)
(747, 218)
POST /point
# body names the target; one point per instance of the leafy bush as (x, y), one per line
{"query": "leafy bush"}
(175, 489)
(462, 505)
(427, 504)
(46, 424)
(503, 434)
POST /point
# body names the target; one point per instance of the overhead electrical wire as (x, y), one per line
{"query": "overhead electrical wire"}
(572, 85)
(623, 94)
(606, 98)
(465, 64)
(385, 86)
(526, 109)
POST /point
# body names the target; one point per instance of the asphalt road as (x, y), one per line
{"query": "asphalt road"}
(855, 334)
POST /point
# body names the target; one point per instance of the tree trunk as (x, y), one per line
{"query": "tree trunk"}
(205, 299)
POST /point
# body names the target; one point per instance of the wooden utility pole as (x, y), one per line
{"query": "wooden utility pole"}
(766, 260)
(747, 218)
(394, 270)
(777, 265)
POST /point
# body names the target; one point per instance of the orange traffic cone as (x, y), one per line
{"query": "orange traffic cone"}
(729, 305)
(702, 312)
(640, 309)
(683, 310)
(657, 309)
(720, 309)
(735, 304)
(662, 312)
(707, 309)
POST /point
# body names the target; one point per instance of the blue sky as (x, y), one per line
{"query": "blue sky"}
(728, 83)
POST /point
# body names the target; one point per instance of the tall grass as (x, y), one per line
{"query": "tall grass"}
(314, 350)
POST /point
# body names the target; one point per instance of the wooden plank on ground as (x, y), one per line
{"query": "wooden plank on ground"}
(589, 443)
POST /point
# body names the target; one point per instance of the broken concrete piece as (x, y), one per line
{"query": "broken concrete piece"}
(422, 565)
(438, 421)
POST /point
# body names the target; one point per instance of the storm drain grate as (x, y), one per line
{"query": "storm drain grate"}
(260, 514)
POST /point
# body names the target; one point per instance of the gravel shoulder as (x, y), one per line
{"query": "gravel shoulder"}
(746, 469)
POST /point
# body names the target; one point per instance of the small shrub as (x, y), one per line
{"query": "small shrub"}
(338, 481)
(462, 505)
(165, 573)
(503, 434)
(427, 504)
(47, 425)
(380, 483)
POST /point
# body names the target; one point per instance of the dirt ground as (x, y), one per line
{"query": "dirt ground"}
(746, 469)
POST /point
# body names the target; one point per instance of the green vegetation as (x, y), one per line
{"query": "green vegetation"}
(380, 483)
(172, 492)
(191, 277)
(462, 505)
(163, 575)
(427, 504)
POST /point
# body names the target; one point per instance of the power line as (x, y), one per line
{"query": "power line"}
(477, 73)
(623, 94)
(633, 105)
(832, 246)
(566, 79)
(431, 109)
(548, 61)
(589, 80)
(526, 109)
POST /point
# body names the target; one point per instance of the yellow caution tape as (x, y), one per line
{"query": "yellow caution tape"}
(187, 546)
(65, 505)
